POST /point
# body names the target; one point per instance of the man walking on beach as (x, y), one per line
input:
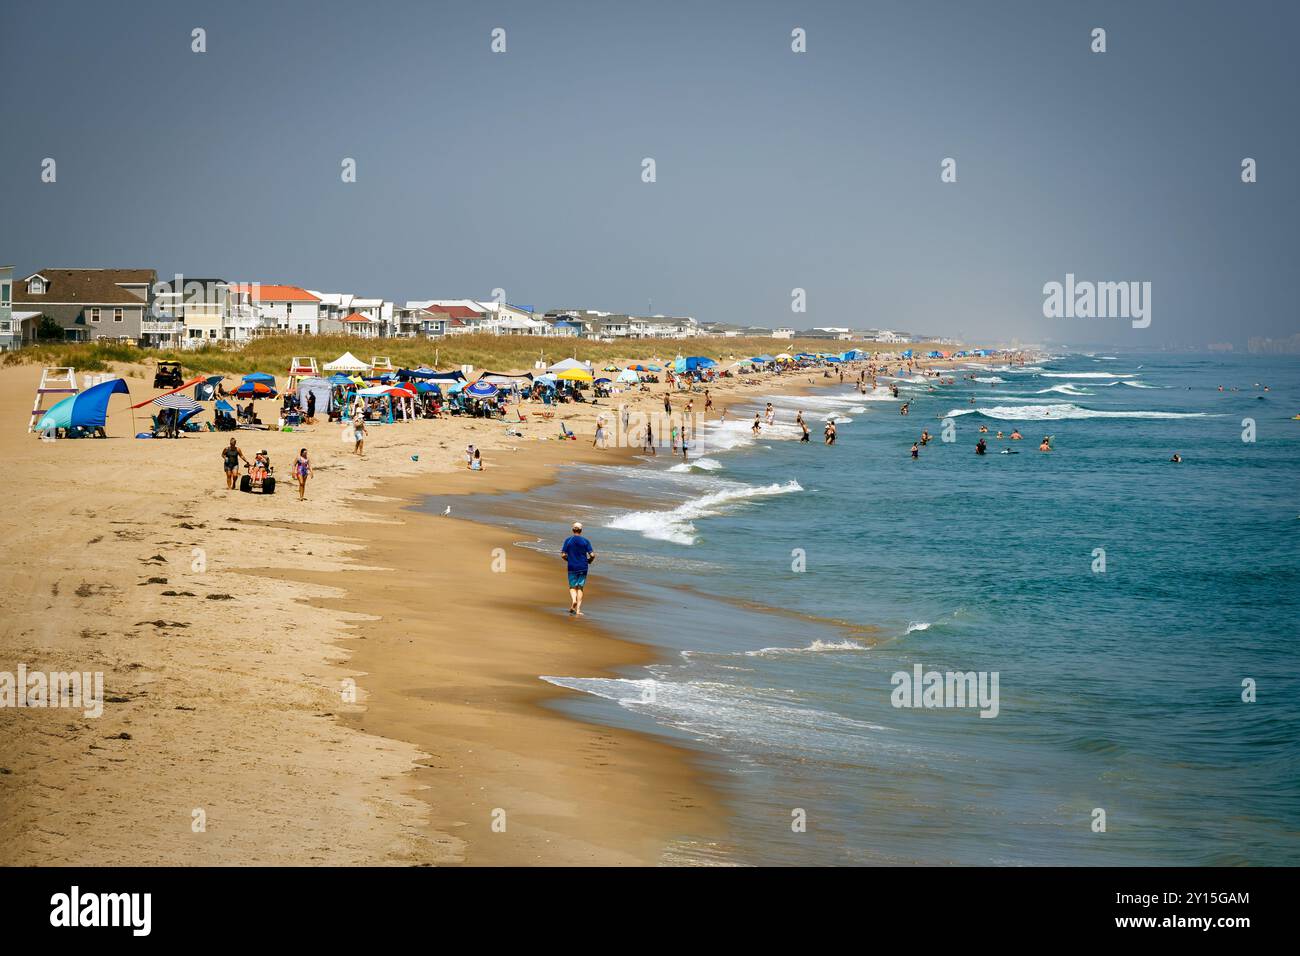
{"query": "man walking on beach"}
(576, 550)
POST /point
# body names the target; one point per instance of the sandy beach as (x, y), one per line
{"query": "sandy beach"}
(227, 625)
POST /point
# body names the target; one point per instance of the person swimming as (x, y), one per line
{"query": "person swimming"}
(1015, 434)
(925, 437)
(981, 448)
(916, 451)
(1047, 443)
(1177, 459)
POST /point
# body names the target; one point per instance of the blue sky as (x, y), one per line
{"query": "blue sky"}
(775, 170)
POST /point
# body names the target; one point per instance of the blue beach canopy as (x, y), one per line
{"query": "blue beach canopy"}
(430, 375)
(262, 377)
(907, 354)
(88, 409)
(692, 363)
(224, 406)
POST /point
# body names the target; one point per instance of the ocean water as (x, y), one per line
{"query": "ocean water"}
(1119, 691)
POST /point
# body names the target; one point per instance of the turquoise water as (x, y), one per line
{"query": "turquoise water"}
(1119, 691)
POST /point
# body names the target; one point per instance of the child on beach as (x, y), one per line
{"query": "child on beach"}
(476, 463)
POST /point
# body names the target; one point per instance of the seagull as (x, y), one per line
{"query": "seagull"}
(446, 511)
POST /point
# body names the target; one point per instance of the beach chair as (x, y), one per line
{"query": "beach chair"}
(565, 433)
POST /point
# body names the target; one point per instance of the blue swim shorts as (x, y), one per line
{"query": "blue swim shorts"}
(577, 580)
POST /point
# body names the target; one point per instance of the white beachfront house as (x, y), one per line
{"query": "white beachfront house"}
(285, 308)
(336, 307)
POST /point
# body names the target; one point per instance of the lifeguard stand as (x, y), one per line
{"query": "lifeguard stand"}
(54, 381)
(381, 364)
(302, 366)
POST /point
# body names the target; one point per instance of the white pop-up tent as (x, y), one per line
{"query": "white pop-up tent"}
(570, 364)
(347, 362)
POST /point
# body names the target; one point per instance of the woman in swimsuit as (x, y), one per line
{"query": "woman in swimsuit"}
(302, 471)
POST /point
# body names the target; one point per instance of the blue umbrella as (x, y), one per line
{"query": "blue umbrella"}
(262, 377)
(481, 390)
(88, 409)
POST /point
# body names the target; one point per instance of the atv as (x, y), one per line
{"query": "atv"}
(259, 477)
(168, 375)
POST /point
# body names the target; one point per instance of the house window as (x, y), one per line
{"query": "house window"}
(212, 333)
(4, 293)
(36, 286)
(94, 315)
(117, 315)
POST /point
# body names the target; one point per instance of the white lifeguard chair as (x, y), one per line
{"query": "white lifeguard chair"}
(302, 366)
(381, 363)
(54, 381)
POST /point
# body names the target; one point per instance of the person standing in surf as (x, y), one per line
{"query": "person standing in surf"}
(578, 554)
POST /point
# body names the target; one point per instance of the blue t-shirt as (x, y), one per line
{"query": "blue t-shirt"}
(576, 548)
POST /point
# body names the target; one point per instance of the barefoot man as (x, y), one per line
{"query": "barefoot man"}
(576, 550)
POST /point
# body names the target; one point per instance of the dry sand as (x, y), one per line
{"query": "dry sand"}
(228, 625)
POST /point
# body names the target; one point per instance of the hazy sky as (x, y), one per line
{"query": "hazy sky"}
(775, 170)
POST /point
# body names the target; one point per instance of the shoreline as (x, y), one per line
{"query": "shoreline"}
(592, 804)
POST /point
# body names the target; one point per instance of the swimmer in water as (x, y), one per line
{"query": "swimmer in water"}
(984, 429)
(916, 451)
(981, 447)
(1177, 459)
(1047, 443)
(925, 437)
(1015, 434)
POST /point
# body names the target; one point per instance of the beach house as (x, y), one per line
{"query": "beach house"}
(285, 308)
(88, 303)
(17, 327)
(187, 312)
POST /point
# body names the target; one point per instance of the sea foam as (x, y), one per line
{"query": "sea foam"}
(676, 524)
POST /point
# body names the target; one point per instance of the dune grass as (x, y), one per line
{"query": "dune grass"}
(496, 352)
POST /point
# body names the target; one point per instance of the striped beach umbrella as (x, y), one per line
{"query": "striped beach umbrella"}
(182, 403)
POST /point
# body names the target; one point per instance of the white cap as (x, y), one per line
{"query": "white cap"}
(577, 526)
